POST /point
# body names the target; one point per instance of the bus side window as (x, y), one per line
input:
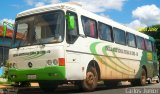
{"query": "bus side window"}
(153, 46)
(89, 27)
(105, 32)
(131, 40)
(148, 45)
(140, 43)
(119, 36)
(72, 35)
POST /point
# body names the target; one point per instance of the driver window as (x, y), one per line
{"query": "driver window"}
(72, 35)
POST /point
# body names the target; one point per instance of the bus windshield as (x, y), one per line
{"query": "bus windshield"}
(40, 29)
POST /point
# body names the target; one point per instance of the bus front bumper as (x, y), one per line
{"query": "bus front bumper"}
(41, 74)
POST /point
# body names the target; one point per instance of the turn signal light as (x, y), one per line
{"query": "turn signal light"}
(61, 61)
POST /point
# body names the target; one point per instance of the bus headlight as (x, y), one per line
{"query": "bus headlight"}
(55, 62)
(49, 62)
(12, 65)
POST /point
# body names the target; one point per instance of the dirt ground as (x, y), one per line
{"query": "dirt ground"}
(9, 86)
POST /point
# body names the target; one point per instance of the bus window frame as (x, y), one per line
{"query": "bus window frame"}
(111, 31)
(154, 46)
(135, 41)
(114, 36)
(35, 14)
(96, 37)
(67, 28)
(146, 43)
(141, 45)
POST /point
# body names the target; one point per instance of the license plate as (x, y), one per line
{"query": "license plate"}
(31, 76)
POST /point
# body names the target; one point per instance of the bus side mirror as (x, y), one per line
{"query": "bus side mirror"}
(71, 22)
(4, 29)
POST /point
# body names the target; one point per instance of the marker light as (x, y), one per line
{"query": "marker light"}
(61, 61)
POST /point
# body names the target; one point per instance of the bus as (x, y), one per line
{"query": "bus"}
(5, 43)
(61, 43)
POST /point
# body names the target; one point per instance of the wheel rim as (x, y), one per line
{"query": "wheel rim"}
(91, 79)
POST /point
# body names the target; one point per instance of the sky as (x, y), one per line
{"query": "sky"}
(133, 13)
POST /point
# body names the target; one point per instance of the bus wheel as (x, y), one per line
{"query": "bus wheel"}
(142, 81)
(48, 86)
(143, 78)
(90, 83)
(149, 81)
(157, 81)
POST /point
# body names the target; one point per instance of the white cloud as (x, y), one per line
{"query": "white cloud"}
(148, 14)
(54, 1)
(104, 15)
(101, 5)
(136, 24)
(7, 20)
(30, 2)
(39, 4)
(94, 5)
(144, 16)
(11, 21)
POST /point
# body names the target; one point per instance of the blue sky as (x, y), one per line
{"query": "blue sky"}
(133, 13)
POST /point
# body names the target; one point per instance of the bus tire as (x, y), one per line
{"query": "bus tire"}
(157, 81)
(149, 81)
(142, 80)
(90, 83)
(48, 86)
(143, 77)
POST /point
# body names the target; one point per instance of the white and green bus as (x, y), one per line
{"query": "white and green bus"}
(62, 43)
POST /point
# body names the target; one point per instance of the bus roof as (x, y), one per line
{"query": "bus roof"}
(80, 10)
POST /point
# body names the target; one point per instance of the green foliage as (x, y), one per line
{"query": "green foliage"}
(156, 36)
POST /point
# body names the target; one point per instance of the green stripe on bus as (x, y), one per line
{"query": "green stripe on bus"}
(105, 53)
(46, 73)
(114, 54)
(32, 56)
(93, 50)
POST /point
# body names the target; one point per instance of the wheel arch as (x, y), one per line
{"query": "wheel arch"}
(145, 68)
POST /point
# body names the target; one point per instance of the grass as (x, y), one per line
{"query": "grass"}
(5, 82)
